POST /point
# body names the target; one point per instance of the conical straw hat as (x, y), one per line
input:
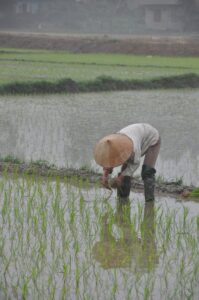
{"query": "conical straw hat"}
(113, 150)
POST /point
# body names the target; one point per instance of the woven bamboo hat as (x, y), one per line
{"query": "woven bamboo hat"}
(113, 150)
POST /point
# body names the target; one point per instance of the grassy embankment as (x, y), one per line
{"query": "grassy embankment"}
(41, 71)
(44, 169)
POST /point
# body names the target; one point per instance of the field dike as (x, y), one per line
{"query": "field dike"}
(43, 169)
(100, 84)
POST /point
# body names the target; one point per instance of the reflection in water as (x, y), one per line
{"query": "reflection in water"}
(129, 247)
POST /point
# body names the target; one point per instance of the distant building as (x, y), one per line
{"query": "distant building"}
(162, 14)
(101, 16)
(27, 6)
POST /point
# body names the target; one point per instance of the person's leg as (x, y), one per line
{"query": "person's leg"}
(151, 154)
(123, 191)
(148, 171)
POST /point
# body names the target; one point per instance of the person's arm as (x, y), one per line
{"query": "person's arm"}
(132, 164)
(106, 172)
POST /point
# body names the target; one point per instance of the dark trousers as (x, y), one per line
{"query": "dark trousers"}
(124, 190)
(148, 172)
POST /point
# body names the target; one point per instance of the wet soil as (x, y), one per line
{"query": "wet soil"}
(146, 45)
(44, 170)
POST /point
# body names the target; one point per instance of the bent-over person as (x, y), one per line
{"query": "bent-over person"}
(125, 148)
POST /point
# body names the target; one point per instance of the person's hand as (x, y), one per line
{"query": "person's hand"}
(117, 181)
(105, 183)
(105, 177)
(107, 171)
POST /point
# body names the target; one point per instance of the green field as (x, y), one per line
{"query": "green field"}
(39, 65)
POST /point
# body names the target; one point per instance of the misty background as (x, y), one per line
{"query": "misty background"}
(101, 16)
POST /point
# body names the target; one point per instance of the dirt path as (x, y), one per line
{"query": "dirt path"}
(164, 188)
(147, 45)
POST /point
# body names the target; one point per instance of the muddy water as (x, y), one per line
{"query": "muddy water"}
(63, 129)
(56, 235)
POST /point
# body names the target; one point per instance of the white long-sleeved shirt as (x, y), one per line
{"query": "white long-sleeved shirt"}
(143, 136)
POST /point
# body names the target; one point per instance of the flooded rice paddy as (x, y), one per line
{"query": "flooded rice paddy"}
(68, 240)
(65, 240)
(62, 129)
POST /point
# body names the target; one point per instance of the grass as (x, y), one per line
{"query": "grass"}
(60, 241)
(99, 59)
(99, 84)
(195, 193)
(45, 68)
(43, 167)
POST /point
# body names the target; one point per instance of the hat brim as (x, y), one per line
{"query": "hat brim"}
(113, 150)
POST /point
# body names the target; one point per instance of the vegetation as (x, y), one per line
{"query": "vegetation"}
(62, 241)
(37, 71)
(99, 84)
(43, 168)
(195, 193)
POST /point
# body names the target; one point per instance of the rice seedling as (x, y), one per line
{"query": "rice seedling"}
(60, 239)
(195, 193)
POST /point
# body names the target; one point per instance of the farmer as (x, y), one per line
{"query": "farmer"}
(126, 148)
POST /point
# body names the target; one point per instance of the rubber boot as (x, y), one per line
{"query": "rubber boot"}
(123, 191)
(148, 176)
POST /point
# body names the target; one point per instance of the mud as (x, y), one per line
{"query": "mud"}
(44, 170)
(145, 45)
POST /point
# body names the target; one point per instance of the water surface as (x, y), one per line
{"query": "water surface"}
(63, 129)
(66, 241)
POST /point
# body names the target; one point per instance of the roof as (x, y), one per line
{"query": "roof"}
(158, 2)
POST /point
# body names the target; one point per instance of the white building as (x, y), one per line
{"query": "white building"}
(161, 14)
(27, 6)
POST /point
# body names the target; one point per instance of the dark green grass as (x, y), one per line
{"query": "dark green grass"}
(195, 193)
(37, 71)
(99, 84)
